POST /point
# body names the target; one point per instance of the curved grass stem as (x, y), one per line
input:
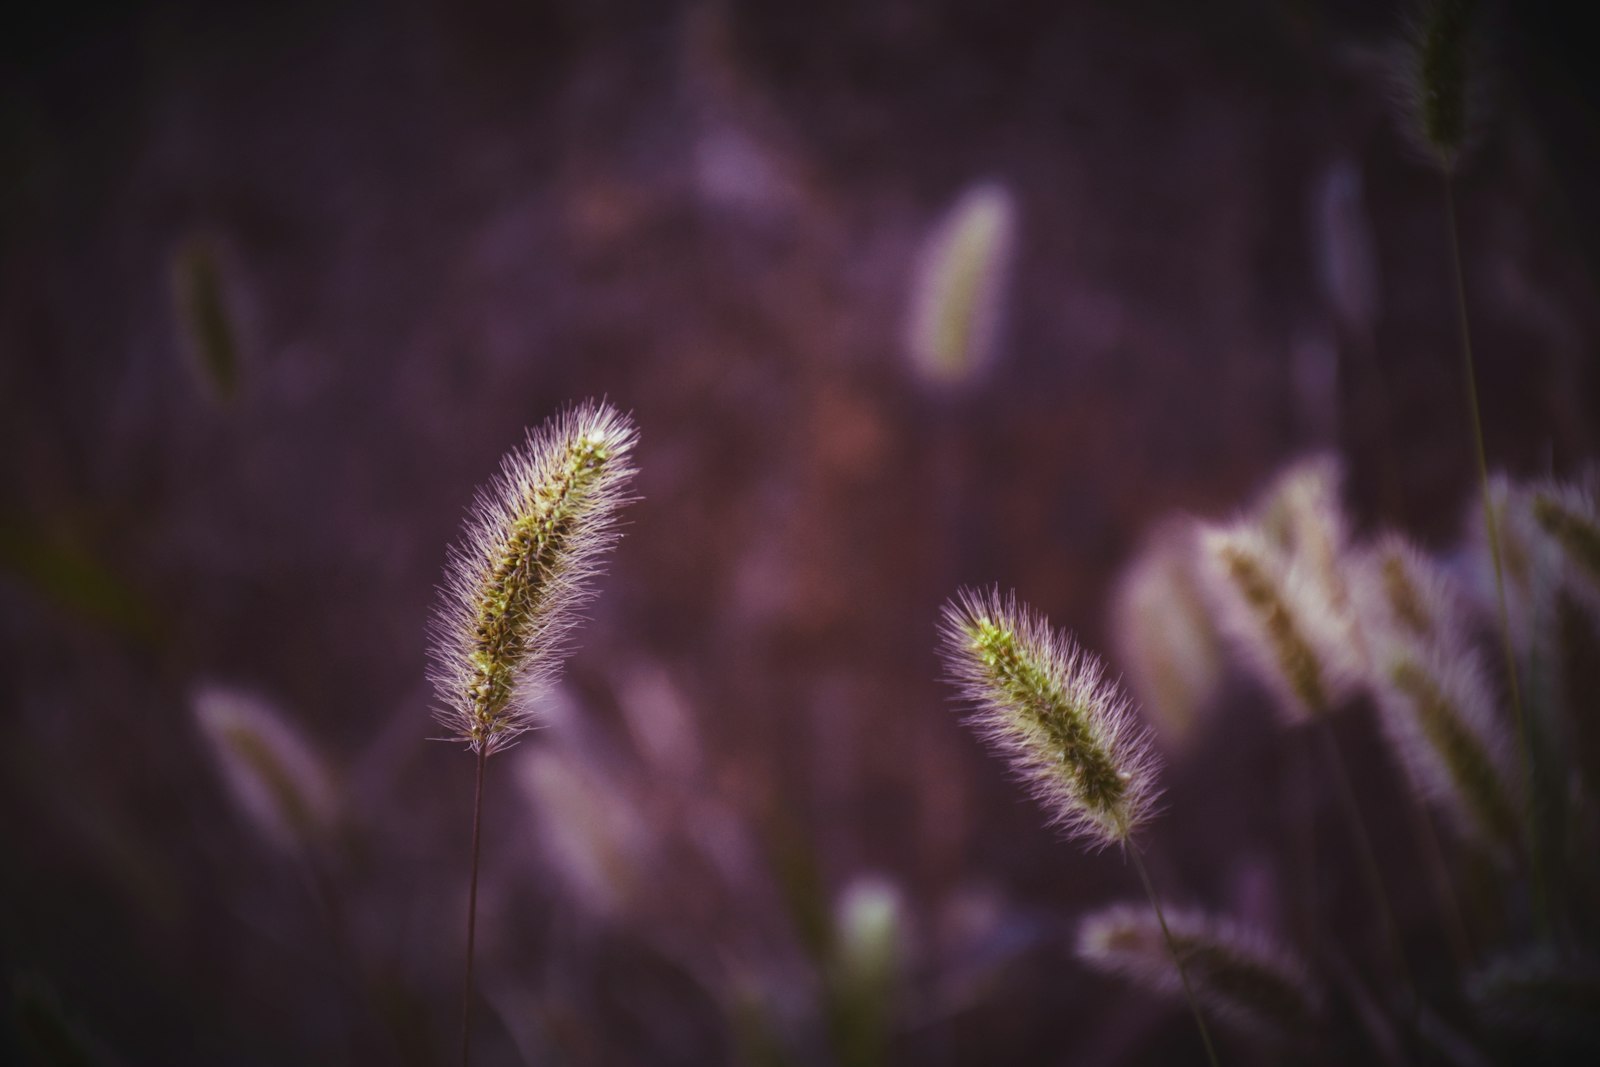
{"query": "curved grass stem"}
(1369, 859)
(1172, 949)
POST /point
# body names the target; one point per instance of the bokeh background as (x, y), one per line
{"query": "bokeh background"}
(432, 225)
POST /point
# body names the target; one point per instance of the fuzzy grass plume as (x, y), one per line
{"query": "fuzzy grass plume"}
(512, 589)
(1279, 619)
(1405, 597)
(1435, 698)
(590, 829)
(274, 773)
(1438, 712)
(954, 323)
(1301, 514)
(1164, 634)
(1439, 83)
(521, 570)
(1238, 973)
(1529, 563)
(1569, 515)
(1045, 705)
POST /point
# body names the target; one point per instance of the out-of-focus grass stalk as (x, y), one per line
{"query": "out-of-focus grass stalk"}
(1541, 892)
(1371, 871)
(1440, 78)
(1172, 950)
(202, 302)
(1273, 614)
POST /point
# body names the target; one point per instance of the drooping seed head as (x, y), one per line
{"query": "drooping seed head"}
(1044, 705)
(1237, 972)
(523, 568)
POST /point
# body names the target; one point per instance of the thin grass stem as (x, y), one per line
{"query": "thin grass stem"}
(1369, 859)
(1541, 900)
(472, 909)
(1172, 948)
(1453, 916)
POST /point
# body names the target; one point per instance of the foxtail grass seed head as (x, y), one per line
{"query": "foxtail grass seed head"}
(203, 311)
(524, 566)
(1236, 972)
(1405, 598)
(1302, 515)
(1439, 81)
(862, 972)
(869, 945)
(1278, 620)
(1570, 516)
(1045, 705)
(958, 290)
(1302, 512)
(1437, 709)
(274, 773)
(1164, 634)
(590, 830)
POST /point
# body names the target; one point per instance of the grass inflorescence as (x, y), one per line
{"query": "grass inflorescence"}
(515, 582)
(1045, 704)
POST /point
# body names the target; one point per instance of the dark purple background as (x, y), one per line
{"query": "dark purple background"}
(439, 223)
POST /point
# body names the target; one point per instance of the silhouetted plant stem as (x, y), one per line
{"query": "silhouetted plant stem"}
(1452, 916)
(1369, 859)
(326, 894)
(1177, 960)
(472, 909)
(1541, 908)
(1301, 810)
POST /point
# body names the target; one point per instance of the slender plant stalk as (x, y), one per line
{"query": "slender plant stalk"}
(326, 892)
(1172, 948)
(1453, 916)
(472, 910)
(1304, 831)
(1369, 859)
(1541, 900)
